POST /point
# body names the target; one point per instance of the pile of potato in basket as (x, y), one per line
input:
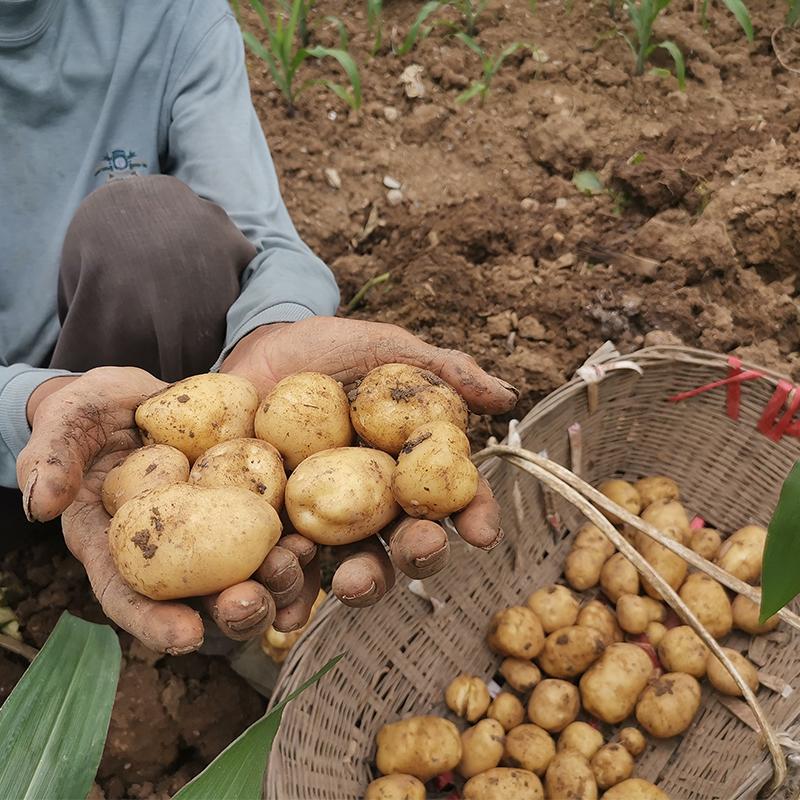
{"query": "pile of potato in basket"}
(575, 668)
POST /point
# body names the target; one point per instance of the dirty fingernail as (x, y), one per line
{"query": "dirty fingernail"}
(249, 620)
(368, 595)
(279, 582)
(27, 492)
(508, 387)
(492, 545)
(422, 561)
(183, 651)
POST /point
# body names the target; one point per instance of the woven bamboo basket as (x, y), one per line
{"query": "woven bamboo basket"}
(612, 419)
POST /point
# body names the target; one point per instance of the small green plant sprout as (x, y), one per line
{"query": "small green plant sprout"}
(793, 13)
(375, 24)
(468, 10)
(738, 9)
(588, 182)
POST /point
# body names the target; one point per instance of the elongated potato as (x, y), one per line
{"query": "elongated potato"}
(635, 613)
(503, 784)
(582, 737)
(668, 705)
(342, 495)
(611, 765)
(671, 567)
(656, 488)
(396, 787)
(482, 747)
(632, 739)
(420, 746)
(186, 541)
(597, 615)
(591, 536)
(529, 747)
(196, 413)
(582, 567)
(570, 651)
(706, 542)
(521, 675)
(670, 517)
(468, 697)
(681, 650)
(723, 681)
(516, 632)
(710, 603)
(146, 468)
(507, 709)
(617, 577)
(555, 605)
(635, 789)
(570, 776)
(623, 494)
(742, 553)
(746, 616)
(553, 704)
(304, 414)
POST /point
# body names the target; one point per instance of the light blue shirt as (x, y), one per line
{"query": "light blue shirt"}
(90, 88)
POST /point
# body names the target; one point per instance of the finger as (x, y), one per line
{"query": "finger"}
(242, 611)
(303, 548)
(418, 547)
(296, 614)
(365, 575)
(282, 574)
(479, 523)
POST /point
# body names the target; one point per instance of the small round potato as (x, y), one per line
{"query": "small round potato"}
(655, 632)
(591, 536)
(516, 632)
(507, 709)
(146, 468)
(246, 463)
(670, 517)
(503, 784)
(681, 650)
(570, 776)
(582, 567)
(529, 747)
(632, 739)
(420, 746)
(709, 601)
(611, 765)
(521, 675)
(635, 613)
(481, 747)
(623, 494)
(396, 787)
(580, 736)
(468, 697)
(618, 577)
(553, 704)
(597, 615)
(746, 616)
(555, 605)
(706, 542)
(668, 705)
(342, 495)
(196, 413)
(742, 553)
(671, 567)
(569, 652)
(723, 681)
(655, 488)
(635, 789)
(393, 401)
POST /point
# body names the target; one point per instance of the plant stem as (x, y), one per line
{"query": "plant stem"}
(20, 648)
(641, 57)
(359, 296)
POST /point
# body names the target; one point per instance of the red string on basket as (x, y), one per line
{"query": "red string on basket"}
(736, 376)
(772, 426)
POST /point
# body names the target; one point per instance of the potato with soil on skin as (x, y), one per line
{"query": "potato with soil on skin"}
(521, 675)
(529, 747)
(709, 602)
(507, 709)
(668, 705)
(746, 616)
(482, 747)
(304, 414)
(196, 413)
(516, 632)
(186, 541)
(610, 687)
(420, 746)
(611, 765)
(636, 612)
(597, 615)
(396, 787)
(555, 605)
(591, 536)
(244, 463)
(670, 517)
(582, 737)
(434, 476)
(342, 495)
(723, 681)
(681, 650)
(503, 783)
(553, 704)
(393, 400)
(671, 567)
(742, 553)
(582, 567)
(635, 789)
(569, 652)
(632, 739)
(467, 697)
(146, 468)
(655, 632)
(570, 776)
(623, 494)
(656, 488)
(617, 577)
(706, 542)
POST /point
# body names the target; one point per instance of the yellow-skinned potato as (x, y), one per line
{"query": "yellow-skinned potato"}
(304, 414)
(706, 542)
(582, 737)
(516, 632)
(591, 536)
(611, 765)
(597, 615)
(146, 468)
(468, 697)
(570, 776)
(623, 494)
(529, 747)
(569, 652)
(611, 686)
(582, 567)
(521, 675)
(636, 612)
(632, 739)
(671, 567)
(393, 401)
(396, 787)
(507, 709)
(553, 704)
(635, 789)
(710, 603)
(434, 476)
(681, 650)
(742, 552)
(723, 681)
(555, 605)
(655, 488)
(670, 517)
(481, 747)
(668, 705)
(617, 577)
(186, 541)
(342, 495)
(746, 615)
(196, 413)
(502, 783)
(420, 746)
(244, 463)
(655, 632)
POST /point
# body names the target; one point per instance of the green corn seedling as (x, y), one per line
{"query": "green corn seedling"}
(643, 14)
(738, 9)
(469, 10)
(793, 14)
(375, 23)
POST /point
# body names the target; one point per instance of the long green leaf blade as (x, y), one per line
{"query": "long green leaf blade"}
(347, 63)
(793, 15)
(677, 57)
(414, 31)
(53, 726)
(739, 10)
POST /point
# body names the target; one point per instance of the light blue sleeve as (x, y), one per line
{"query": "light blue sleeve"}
(216, 146)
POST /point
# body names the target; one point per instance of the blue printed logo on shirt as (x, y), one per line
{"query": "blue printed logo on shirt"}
(119, 164)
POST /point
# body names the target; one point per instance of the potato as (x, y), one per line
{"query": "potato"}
(597, 615)
(507, 709)
(670, 517)
(246, 463)
(146, 468)
(482, 747)
(393, 401)
(635, 789)
(709, 601)
(655, 488)
(434, 476)
(722, 680)
(553, 704)
(555, 605)
(591, 536)
(503, 784)
(582, 567)
(521, 675)
(655, 632)
(681, 650)
(742, 552)
(672, 568)
(618, 577)
(706, 542)
(342, 495)
(623, 494)
(396, 787)
(582, 737)
(570, 776)
(668, 705)
(304, 414)
(196, 413)
(632, 739)
(611, 765)
(467, 697)
(746, 615)
(635, 613)
(420, 746)
(611, 686)
(570, 651)
(187, 541)
(529, 747)
(516, 632)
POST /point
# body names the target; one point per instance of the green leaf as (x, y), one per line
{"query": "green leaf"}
(237, 773)
(677, 57)
(347, 63)
(471, 43)
(588, 182)
(479, 87)
(793, 15)
(344, 36)
(53, 726)
(739, 10)
(429, 8)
